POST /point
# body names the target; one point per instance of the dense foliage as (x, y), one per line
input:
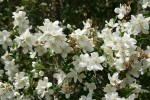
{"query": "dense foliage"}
(63, 49)
(66, 11)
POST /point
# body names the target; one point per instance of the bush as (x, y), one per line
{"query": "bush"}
(47, 54)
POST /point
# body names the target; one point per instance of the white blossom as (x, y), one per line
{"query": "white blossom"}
(109, 88)
(112, 96)
(60, 77)
(114, 79)
(82, 40)
(43, 86)
(21, 21)
(26, 40)
(146, 3)
(74, 74)
(92, 62)
(90, 86)
(21, 80)
(122, 11)
(138, 24)
(111, 23)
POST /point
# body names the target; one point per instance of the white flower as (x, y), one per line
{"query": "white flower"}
(53, 39)
(95, 61)
(128, 80)
(137, 88)
(90, 86)
(68, 26)
(122, 11)
(121, 26)
(146, 3)
(136, 67)
(34, 64)
(109, 88)
(105, 32)
(122, 46)
(36, 75)
(84, 61)
(112, 96)
(5, 40)
(6, 56)
(53, 28)
(20, 16)
(6, 91)
(79, 66)
(114, 79)
(90, 63)
(11, 69)
(131, 97)
(65, 50)
(26, 40)
(87, 24)
(4, 33)
(32, 54)
(21, 80)
(40, 50)
(119, 63)
(67, 89)
(138, 24)
(111, 23)
(128, 42)
(41, 73)
(21, 21)
(75, 75)
(82, 40)
(43, 86)
(60, 77)
(47, 94)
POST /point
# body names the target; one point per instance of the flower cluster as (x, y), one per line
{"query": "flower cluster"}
(146, 3)
(86, 64)
(20, 21)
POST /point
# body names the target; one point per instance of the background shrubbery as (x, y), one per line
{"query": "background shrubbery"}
(66, 11)
(72, 12)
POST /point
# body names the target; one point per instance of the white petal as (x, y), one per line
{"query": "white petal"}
(120, 16)
(49, 84)
(102, 59)
(117, 10)
(145, 25)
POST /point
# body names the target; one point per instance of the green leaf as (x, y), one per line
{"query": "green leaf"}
(39, 67)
